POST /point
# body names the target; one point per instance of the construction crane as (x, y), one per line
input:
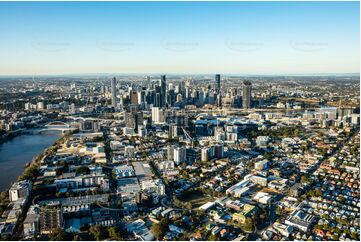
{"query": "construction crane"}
(189, 138)
(90, 95)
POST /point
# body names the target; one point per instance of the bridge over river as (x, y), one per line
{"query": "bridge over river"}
(52, 126)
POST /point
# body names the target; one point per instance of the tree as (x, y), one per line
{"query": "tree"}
(248, 225)
(114, 233)
(132, 140)
(83, 170)
(214, 238)
(58, 234)
(5, 237)
(188, 205)
(354, 236)
(77, 238)
(98, 232)
(179, 223)
(183, 237)
(158, 231)
(279, 211)
(336, 230)
(97, 191)
(164, 222)
(304, 179)
(250, 165)
(4, 201)
(200, 213)
(318, 192)
(263, 216)
(267, 156)
(335, 237)
(30, 173)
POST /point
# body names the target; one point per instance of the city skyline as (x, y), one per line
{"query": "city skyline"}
(180, 121)
(273, 38)
(254, 159)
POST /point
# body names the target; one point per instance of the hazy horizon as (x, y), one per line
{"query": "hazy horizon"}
(183, 74)
(253, 38)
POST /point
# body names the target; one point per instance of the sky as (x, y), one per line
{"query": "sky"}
(38, 38)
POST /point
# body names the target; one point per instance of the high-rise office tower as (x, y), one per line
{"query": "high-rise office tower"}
(179, 155)
(134, 120)
(134, 97)
(170, 152)
(114, 92)
(121, 101)
(163, 94)
(218, 83)
(219, 100)
(219, 151)
(157, 97)
(246, 97)
(171, 97)
(158, 115)
(188, 91)
(218, 90)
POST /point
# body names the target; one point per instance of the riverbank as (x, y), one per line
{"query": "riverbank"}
(15, 153)
(10, 149)
(31, 173)
(10, 135)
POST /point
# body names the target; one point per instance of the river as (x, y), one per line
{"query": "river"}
(18, 151)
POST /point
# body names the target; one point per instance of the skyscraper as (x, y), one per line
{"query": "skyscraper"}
(114, 92)
(163, 94)
(219, 100)
(179, 155)
(218, 90)
(246, 97)
(157, 96)
(158, 115)
(134, 97)
(171, 97)
(218, 83)
(133, 120)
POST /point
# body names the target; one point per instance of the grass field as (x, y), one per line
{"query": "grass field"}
(195, 197)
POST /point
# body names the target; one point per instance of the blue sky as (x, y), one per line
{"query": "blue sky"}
(179, 37)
